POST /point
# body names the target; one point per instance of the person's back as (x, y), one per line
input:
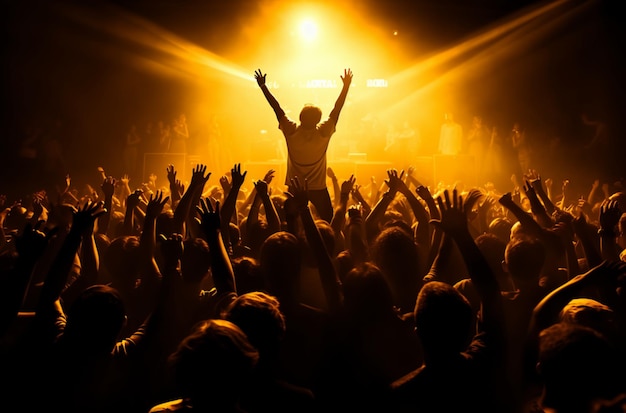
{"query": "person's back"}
(374, 345)
(395, 252)
(493, 249)
(306, 326)
(258, 315)
(524, 260)
(456, 374)
(83, 367)
(121, 265)
(307, 143)
(578, 368)
(210, 369)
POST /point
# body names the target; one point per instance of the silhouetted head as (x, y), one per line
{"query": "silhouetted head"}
(524, 259)
(310, 116)
(501, 228)
(247, 274)
(95, 319)
(590, 313)
(366, 293)
(213, 362)
(258, 315)
(444, 320)
(493, 249)
(280, 260)
(577, 366)
(397, 255)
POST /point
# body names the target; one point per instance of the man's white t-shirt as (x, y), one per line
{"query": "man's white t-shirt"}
(306, 151)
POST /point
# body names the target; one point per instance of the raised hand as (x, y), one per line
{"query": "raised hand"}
(330, 173)
(529, 190)
(347, 185)
(209, 216)
(453, 213)
(171, 174)
(134, 198)
(610, 214)
(355, 212)
(346, 78)
(260, 77)
(261, 188)
(394, 181)
(156, 203)
(108, 187)
(269, 175)
(125, 180)
(564, 227)
(298, 194)
(103, 175)
(225, 184)
(471, 199)
(85, 217)
(198, 175)
(356, 194)
(423, 192)
(178, 187)
(410, 171)
(237, 176)
(37, 206)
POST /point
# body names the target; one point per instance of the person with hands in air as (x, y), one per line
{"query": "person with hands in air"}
(462, 357)
(307, 142)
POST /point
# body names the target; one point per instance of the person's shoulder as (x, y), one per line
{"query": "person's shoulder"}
(287, 125)
(407, 381)
(171, 406)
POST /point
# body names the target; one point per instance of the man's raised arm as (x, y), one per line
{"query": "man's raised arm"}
(260, 80)
(347, 80)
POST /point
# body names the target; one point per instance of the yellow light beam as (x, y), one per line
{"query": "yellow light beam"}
(488, 47)
(181, 55)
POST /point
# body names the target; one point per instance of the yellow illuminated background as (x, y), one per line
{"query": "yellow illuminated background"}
(109, 66)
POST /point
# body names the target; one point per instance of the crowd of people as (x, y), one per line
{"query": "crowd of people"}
(327, 293)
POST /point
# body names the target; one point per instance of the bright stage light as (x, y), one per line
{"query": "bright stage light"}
(308, 30)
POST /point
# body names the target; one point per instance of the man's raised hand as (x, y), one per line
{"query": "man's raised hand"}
(260, 77)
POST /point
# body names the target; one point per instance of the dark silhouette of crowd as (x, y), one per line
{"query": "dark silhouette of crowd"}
(121, 296)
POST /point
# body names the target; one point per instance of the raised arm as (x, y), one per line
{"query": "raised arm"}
(132, 202)
(377, 213)
(184, 210)
(58, 274)
(260, 80)
(525, 219)
(343, 196)
(229, 210)
(148, 238)
(108, 189)
(327, 271)
(331, 174)
(221, 267)
(271, 215)
(454, 223)
(535, 181)
(176, 188)
(536, 206)
(347, 80)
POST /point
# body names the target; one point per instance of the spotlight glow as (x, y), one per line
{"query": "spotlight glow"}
(308, 30)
